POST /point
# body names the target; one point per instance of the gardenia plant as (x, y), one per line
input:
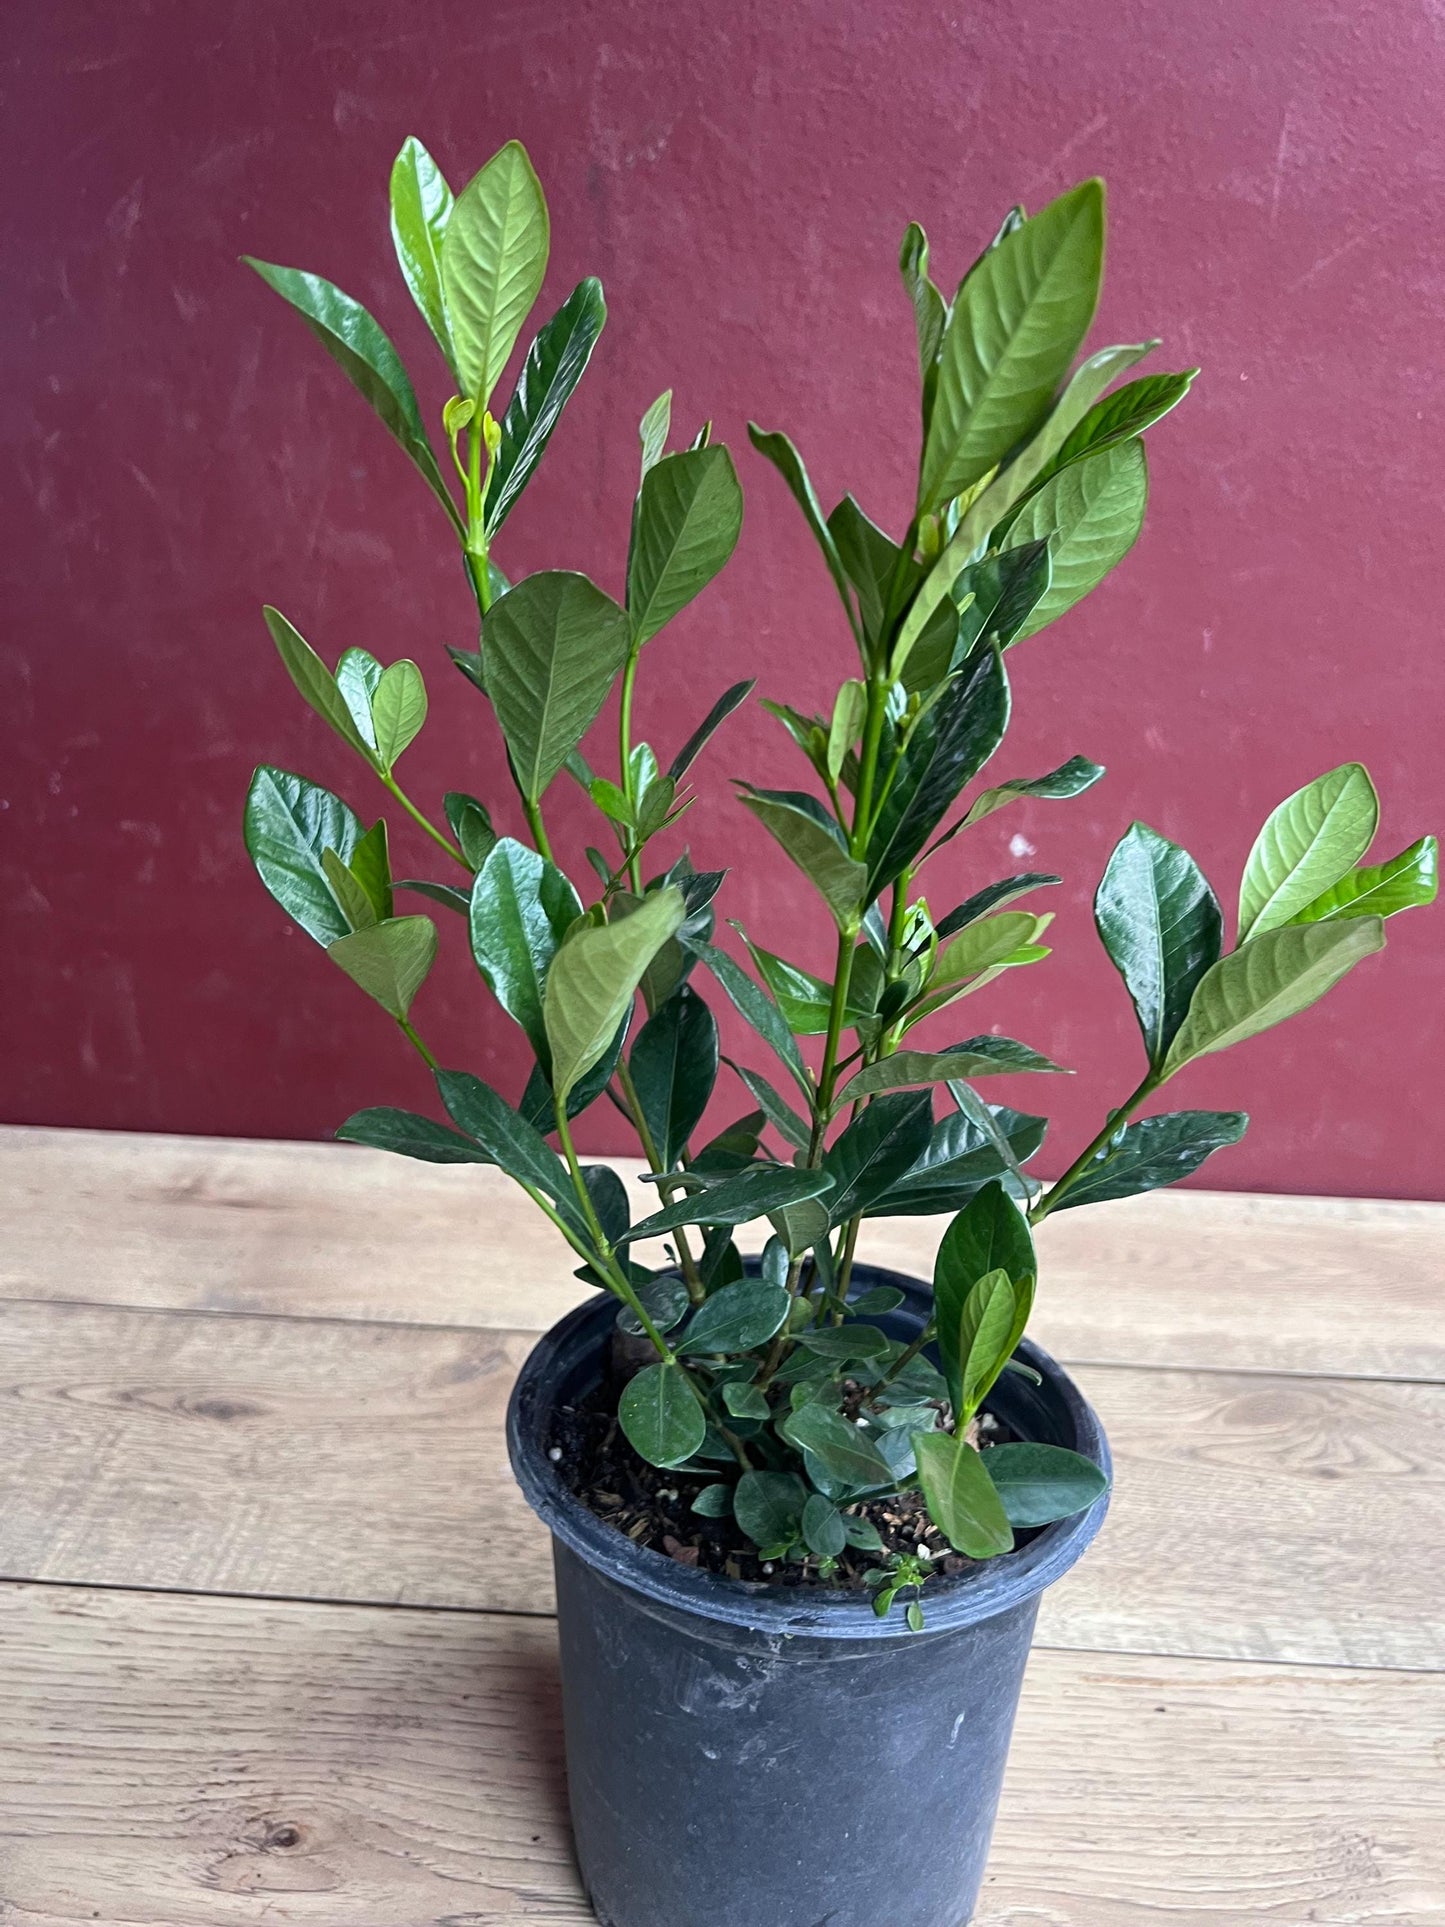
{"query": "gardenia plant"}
(775, 1383)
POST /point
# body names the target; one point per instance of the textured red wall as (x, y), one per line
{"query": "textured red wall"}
(739, 177)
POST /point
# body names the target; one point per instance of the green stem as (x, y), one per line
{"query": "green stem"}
(390, 783)
(537, 827)
(605, 1258)
(1044, 1205)
(691, 1278)
(828, 1075)
(624, 757)
(409, 1033)
(904, 1359)
(779, 1346)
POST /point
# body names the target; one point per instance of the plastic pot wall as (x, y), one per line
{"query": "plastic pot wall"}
(757, 1756)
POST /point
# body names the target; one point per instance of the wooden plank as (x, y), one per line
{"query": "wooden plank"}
(1180, 1278)
(1268, 1518)
(187, 1763)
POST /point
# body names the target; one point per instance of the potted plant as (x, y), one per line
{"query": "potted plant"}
(803, 1511)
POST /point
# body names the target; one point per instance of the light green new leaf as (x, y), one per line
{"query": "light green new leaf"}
(357, 675)
(593, 979)
(553, 647)
(494, 255)
(289, 825)
(843, 731)
(652, 431)
(1015, 327)
(315, 682)
(930, 311)
(1127, 412)
(421, 206)
(1091, 514)
(398, 710)
(1307, 844)
(989, 1315)
(554, 365)
(389, 960)
(661, 1416)
(521, 908)
(800, 825)
(961, 1498)
(1271, 978)
(359, 347)
(370, 864)
(980, 946)
(689, 514)
(1406, 881)
(356, 905)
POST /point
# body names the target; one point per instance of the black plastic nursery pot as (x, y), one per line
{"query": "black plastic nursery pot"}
(765, 1756)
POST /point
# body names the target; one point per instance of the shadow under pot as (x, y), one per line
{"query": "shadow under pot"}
(745, 1755)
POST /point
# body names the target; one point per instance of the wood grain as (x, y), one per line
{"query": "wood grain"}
(189, 1763)
(1179, 1278)
(1266, 1518)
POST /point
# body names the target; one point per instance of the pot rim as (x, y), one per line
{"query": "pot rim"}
(819, 1613)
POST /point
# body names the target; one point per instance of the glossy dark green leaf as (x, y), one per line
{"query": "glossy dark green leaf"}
(370, 864)
(801, 1227)
(1153, 1151)
(881, 1143)
(412, 1136)
(521, 908)
(726, 703)
(745, 1401)
(872, 562)
(493, 258)
(389, 961)
(714, 1502)
(1015, 327)
(553, 367)
(609, 1200)
(961, 1498)
(768, 1507)
(846, 1343)
(997, 594)
(289, 822)
(361, 350)
(1161, 925)
(863, 1534)
(1308, 843)
(1041, 1483)
(666, 1302)
(593, 979)
(1091, 513)
(358, 676)
(910, 1067)
(789, 464)
(522, 1152)
(421, 206)
(958, 1158)
(738, 1199)
(734, 1147)
(824, 1532)
(989, 1235)
(1069, 779)
(736, 1319)
(875, 1301)
(758, 1009)
(553, 647)
(1412, 878)
(674, 1066)
(949, 746)
(837, 1454)
(994, 897)
(813, 840)
(1126, 413)
(780, 1114)
(988, 1120)
(471, 825)
(661, 1416)
(689, 514)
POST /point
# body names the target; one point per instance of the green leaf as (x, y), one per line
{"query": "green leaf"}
(609, 1200)
(961, 1498)
(493, 258)
(800, 1226)
(1040, 1483)
(398, 710)
(368, 360)
(1016, 326)
(824, 1532)
(1151, 1152)
(553, 647)
(863, 1534)
(674, 1066)
(389, 960)
(714, 1502)
(666, 1302)
(411, 1135)
(689, 514)
(751, 1193)
(1069, 779)
(661, 1416)
(421, 206)
(930, 311)
(993, 897)
(719, 713)
(907, 1067)
(768, 1507)
(1127, 412)
(843, 732)
(758, 1009)
(1161, 925)
(593, 979)
(1091, 513)
(1306, 846)
(845, 1455)
(1005, 590)
(521, 908)
(370, 865)
(871, 561)
(846, 1343)
(1405, 881)
(1271, 978)
(989, 1235)
(736, 1319)
(804, 830)
(803, 999)
(989, 1315)
(510, 1141)
(358, 675)
(289, 824)
(881, 1143)
(745, 1401)
(471, 825)
(960, 1157)
(652, 431)
(789, 464)
(356, 905)
(315, 682)
(553, 367)
(983, 946)
(783, 1118)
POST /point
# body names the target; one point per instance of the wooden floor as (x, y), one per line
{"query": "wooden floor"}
(260, 1661)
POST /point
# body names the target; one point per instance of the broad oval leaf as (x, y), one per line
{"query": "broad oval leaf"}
(1150, 1152)
(1271, 978)
(398, 710)
(813, 840)
(844, 1454)
(493, 258)
(1306, 846)
(800, 1227)
(315, 682)
(1412, 878)
(737, 1318)
(1040, 1483)
(1091, 514)
(421, 206)
(289, 824)
(1161, 925)
(737, 1199)
(989, 1235)
(593, 979)
(961, 1498)
(881, 1143)
(850, 1341)
(661, 1415)
(674, 1065)
(412, 1136)
(666, 1302)
(521, 908)
(552, 646)
(689, 513)
(768, 1507)
(389, 960)
(553, 367)
(1015, 327)
(358, 675)
(471, 825)
(824, 1532)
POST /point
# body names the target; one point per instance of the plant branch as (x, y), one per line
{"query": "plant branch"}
(691, 1278)
(393, 788)
(1042, 1206)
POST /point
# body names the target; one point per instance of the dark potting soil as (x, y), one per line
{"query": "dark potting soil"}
(654, 1508)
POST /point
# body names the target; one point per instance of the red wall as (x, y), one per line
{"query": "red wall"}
(739, 176)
